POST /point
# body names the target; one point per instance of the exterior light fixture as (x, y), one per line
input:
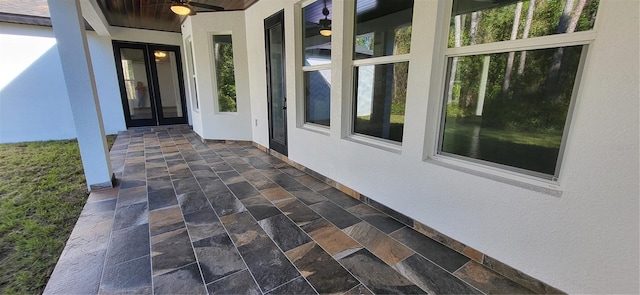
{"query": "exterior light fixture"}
(325, 24)
(180, 8)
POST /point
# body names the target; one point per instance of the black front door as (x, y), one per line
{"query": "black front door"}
(276, 92)
(151, 87)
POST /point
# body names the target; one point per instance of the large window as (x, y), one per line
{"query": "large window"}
(225, 76)
(316, 18)
(510, 108)
(382, 40)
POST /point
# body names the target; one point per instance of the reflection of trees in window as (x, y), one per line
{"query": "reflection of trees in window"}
(381, 84)
(514, 99)
(225, 76)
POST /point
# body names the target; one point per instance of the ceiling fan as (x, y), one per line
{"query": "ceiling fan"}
(186, 7)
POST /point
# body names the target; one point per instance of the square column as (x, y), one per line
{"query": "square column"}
(68, 27)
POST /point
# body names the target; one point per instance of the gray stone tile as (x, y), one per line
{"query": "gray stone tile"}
(131, 277)
(243, 190)
(165, 220)
(203, 224)
(131, 215)
(132, 196)
(340, 198)
(104, 206)
(238, 283)
(212, 187)
(378, 276)
(218, 257)
(430, 249)
(125, 183)
(185, 280)
(128, 244)
(170, 251)
(268, 264)
(284, 232)
(286, 182)
(488, 281)
(230, 177)
(332, 212)
(297, 211)
(325, 274)
(376, 218)
(193, 201)
(432, 278)
(186, 185)
(162, 198)
(225, 203)
(260, 207)
(296, 286)
(307, 196)
(154, 184)
(80, 275)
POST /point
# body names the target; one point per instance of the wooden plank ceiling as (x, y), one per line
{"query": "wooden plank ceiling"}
(156, 14)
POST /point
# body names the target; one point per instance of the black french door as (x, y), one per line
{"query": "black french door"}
(276, 92)
(151, 84)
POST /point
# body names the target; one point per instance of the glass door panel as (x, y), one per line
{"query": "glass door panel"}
(136, 83)
(274, 35)
(151, 87)
(169, 86)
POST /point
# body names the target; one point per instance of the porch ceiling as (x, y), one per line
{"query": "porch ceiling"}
(139, 14)
(156, 14)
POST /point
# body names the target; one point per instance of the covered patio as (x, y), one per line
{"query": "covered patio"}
(228, 218)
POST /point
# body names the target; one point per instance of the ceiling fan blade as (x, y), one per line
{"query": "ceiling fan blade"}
(206, 6)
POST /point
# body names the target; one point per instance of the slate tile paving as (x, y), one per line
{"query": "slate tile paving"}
(224, 218)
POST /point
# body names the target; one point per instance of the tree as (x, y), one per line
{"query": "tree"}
(454, 62)
(514, 35)
(568, 23)
(525, 34)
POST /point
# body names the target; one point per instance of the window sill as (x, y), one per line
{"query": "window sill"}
(547, 187)
(324, 130)
(382, 144)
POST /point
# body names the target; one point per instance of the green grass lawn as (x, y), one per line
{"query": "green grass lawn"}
(42, 192)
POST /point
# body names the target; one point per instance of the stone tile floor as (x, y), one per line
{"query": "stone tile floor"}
(192, 218)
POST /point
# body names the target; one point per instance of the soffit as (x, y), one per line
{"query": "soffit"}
(156, 14)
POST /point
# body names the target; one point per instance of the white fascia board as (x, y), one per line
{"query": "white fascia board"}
(94, 16)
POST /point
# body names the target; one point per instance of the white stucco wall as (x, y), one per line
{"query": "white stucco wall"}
(33, 98)
(208, 122)
(585, 241)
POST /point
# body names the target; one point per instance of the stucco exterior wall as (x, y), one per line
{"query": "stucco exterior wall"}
(33, 98)
(583, 241)
(209, 123)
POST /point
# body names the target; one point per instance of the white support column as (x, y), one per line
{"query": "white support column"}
(68, 27)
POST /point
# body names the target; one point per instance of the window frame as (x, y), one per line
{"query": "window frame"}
(352, 63)
(193, 78)
(214, 73)
(302, 69)
(437, 114)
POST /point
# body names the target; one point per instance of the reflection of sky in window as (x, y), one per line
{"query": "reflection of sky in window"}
(366, 6)
(312, 61)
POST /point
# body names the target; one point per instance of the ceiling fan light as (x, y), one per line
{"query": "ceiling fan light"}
(180, 8)
(325, 27)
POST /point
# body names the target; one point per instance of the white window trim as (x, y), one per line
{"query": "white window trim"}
(347, 116)
(433, 132)
(301, 120)
(191, 71)
(214, 74)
